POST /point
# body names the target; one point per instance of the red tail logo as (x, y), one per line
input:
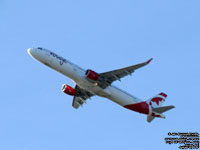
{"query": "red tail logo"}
(159, 99)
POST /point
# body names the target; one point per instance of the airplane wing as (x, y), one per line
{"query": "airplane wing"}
(80, 97)
(114, 75)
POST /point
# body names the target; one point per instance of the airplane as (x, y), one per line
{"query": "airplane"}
(90, 83)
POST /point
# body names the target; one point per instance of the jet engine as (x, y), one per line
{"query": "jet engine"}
(92, 75)
(68, 90)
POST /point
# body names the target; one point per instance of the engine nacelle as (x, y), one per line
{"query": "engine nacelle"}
(68, 90)
(92, 75)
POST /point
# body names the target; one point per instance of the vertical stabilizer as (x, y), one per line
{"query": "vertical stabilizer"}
(158, 100)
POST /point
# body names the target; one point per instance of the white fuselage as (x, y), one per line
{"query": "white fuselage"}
(77, 74)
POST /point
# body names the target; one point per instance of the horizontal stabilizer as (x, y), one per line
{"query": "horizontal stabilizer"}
(162, 109)
(159, 110)
(150, 118)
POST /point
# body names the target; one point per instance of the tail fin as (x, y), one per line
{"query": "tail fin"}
(158, 100)
(155, 104)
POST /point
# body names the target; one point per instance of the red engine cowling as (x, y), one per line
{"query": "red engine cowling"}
(92, 75)
(68, 90)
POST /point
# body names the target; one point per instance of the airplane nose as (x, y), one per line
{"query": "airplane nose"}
(29, 51)
(32, 52)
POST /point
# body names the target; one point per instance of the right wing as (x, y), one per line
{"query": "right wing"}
(80, 97)
(111, 76)
(106, 79)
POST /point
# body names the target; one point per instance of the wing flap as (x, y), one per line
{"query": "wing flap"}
(77, 102)
(81, 97)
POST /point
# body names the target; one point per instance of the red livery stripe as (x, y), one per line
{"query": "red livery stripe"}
(163, 94)
(141, 107)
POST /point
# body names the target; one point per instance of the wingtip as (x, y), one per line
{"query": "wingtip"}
(149, 61)
(173, 106)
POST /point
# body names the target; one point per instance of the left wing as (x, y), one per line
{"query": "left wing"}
(80, 97)
(114, 75)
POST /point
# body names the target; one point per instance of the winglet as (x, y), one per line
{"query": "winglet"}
(149, 61)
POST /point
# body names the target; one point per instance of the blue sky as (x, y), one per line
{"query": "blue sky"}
(100, 35)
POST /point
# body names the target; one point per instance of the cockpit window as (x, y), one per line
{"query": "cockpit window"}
(40, 48)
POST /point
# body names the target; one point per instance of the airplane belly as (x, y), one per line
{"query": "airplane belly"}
(93, 88)
(113, 93)
(120, 97)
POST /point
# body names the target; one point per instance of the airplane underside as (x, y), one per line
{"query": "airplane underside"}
(90, 83)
